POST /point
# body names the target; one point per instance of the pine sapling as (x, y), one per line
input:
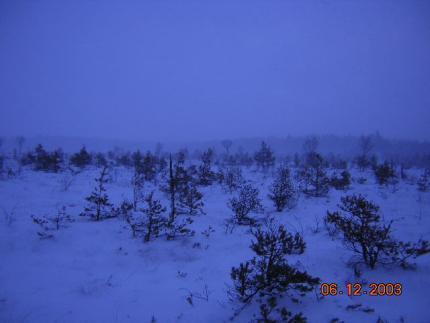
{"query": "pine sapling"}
(313, 175)
(268, 277)
(264, 157)
(52, 223)
(178, 178)
(247, 202)
(206, 175)
(385, 174)
(363, 232)
(191, 200)
(341, 182)
(99, 207)
(154, 221)
(282, 191)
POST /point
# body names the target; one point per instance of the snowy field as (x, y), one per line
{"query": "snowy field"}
(96, 272)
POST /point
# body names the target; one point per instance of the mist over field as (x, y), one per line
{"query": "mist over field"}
(214, 161)
(192, 70)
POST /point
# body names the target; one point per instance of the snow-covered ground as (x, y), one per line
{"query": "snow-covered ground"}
(96, 272)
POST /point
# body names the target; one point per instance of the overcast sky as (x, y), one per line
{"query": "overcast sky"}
(193, 70)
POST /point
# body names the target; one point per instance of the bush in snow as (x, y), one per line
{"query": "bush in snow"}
(365, 234)
(191, 200)
(205, 173)
(181, 175)
(313, 175)
(44, 160)
(264, 157)
(247, 202)
(99, 207)
(155, 220)
(47, 224)
(149, 221)
(178, 179)
(81, 159)
(424, 181)
(268, 277)
(282, 191)
(341, 182)
(385, 174)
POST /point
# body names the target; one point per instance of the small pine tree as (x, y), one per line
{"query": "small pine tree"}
(282, 191)
(52, 223)
(264, 157)
(313, 175)
(385, 174)
(55, 160)
(99, 206)
(155, 221)
(341, 183)
(191, 200)
(177, 181)
(247, 202)
(43, 160)
(205, 173)
(81, 159)
(365, 235)
(61, 218)
(268, 277)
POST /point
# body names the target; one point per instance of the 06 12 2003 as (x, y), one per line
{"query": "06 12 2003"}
(358, 289)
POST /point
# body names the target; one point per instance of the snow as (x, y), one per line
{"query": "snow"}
(96, 272)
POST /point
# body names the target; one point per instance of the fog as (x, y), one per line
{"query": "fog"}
(206, 70)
